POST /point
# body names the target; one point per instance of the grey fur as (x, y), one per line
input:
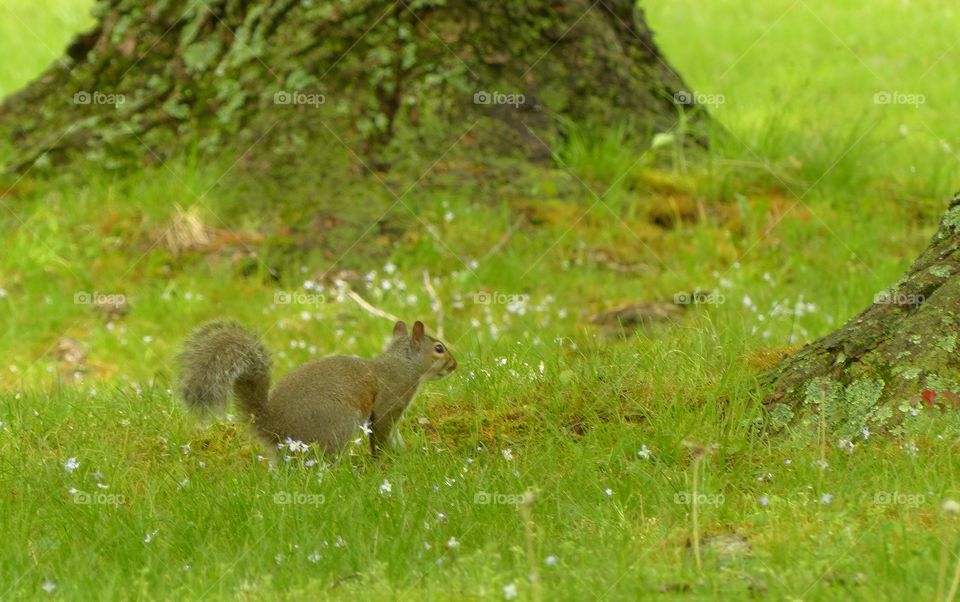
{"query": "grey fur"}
(223, 357)
(322, 402)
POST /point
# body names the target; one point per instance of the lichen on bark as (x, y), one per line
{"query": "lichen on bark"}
(899, 353)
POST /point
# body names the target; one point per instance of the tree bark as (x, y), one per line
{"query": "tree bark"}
(384, 79)
(896, 356)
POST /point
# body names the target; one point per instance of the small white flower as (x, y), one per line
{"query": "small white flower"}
(608, 491)
(71, 464)
(365, 427)
(48, 586)
(510, 591)
(294, 445)
(186, 449)
(826, 498)
(551, 560)
(644, 452)
(764, 501)
(150, 535)
(453, 544)
(865, 433)
(507, 454)
(386, 488)
(314, 557)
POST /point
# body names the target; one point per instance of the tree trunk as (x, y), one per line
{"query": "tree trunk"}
(386, 80)
(896, 356)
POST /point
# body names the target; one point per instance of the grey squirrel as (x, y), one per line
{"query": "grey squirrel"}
(323, 402)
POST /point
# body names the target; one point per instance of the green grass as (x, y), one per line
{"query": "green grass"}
(543, 400)
(35, 35)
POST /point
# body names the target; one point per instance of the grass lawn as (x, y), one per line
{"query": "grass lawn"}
(562, 460)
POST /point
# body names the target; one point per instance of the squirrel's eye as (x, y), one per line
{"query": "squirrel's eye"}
(438, 348)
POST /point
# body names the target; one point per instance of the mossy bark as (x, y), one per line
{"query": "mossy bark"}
(903, 350)
(384, 79)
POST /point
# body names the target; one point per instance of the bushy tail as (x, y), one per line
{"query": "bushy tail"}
(221, 357)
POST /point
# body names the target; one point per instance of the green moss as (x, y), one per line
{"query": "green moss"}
(201, 56)
(948, 343)
(952, 218)
(938, 382)
(940, 271)
(908, 372)
(847, 410)
(780, 416)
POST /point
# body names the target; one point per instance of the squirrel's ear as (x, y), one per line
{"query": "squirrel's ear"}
(417, 332)
(399, 329)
